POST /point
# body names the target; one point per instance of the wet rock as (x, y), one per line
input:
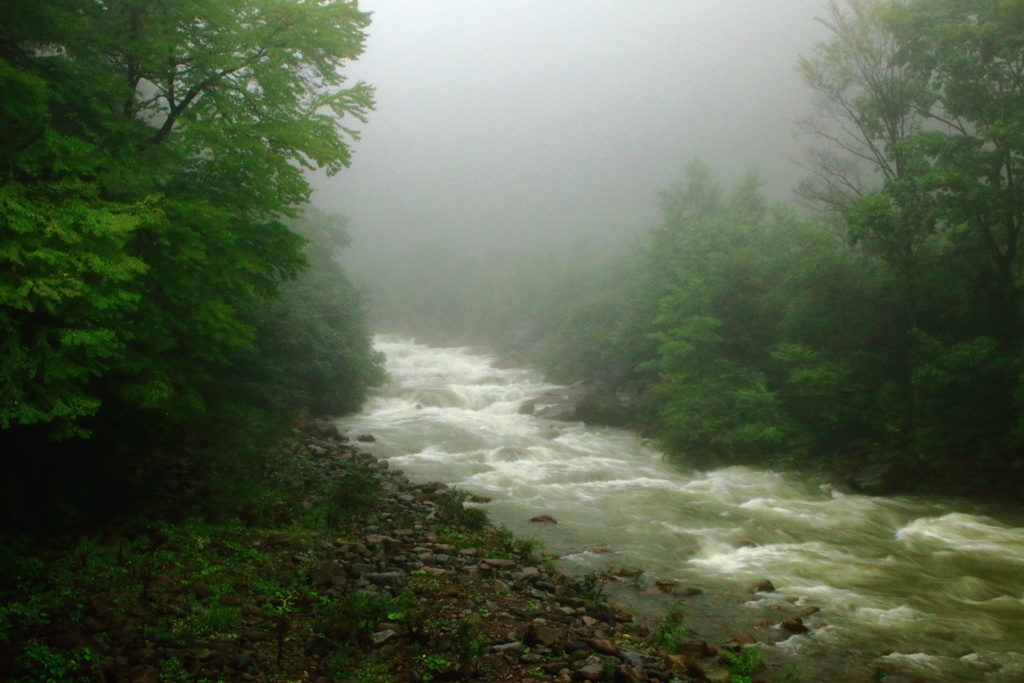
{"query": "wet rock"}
(544, 519)
(324, 573)
(380, 637)
(604, 647)
(794, 625)
(627, 572)
(590, 402)
(764, 586)
(698, 649)
(624, 673)
(591, 671)
(742, 639)
(366, 438)
(507, 647)
(684, 665)
(544, 635)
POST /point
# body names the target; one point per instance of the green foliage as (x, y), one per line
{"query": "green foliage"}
(453, 510)
(152, 167)
(313, 348)
(670, 632)
(510, 545)
(741, 665)
(589, 587)
(46, 665)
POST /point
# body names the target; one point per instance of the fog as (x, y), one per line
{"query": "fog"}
(503, 125)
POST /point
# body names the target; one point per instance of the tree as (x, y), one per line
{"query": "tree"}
(972, 56)
(870, 103)
(924, 172)
(150, 153)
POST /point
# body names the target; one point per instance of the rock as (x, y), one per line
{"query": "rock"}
(695, 648)
(684, 665)
(324, 573)
(590, 402)
(742, 639)
(628, 572)
(544, 519)
(544, 635)
(794, 625)
(604, 647)
(591, 670)
(381, 637)
(687, 592)
(498, 563)
(242, 663)
(366, 438)
(625, 673)
(765, 586)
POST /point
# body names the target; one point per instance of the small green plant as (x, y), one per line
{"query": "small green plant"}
(208, 619)
(173, 671)
(589, 587)
(792, 674)
(452, 508)
(743, 663)
(352, 494)
(509, 545)
(671, 632)
(433, 666)
(46, 665)
(468, 643)
(343, 666)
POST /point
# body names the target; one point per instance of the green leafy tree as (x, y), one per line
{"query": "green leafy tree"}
(150, 153)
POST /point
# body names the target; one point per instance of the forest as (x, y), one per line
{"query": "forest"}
(872, 326)
(166, 294)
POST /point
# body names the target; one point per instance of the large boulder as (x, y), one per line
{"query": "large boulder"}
(584, 401)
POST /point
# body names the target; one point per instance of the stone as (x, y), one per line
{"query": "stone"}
(742, 639)
(604, 647)
(591, 669)
(544, 519)
(323, 574)
(508, 647)
(625, 673)
(684, 665)
(366, 438)
(764, 586)
(628, 572)
(381, 637)
(498, 563)
(695, 648)
(794, 625)
(544, 635)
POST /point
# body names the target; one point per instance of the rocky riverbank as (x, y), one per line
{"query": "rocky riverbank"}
(352, 573)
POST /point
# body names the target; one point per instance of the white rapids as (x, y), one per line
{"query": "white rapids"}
(908, 586)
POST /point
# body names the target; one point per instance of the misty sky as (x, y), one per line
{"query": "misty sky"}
(502, 124)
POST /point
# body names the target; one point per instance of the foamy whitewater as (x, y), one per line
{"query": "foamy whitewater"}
(938, 584)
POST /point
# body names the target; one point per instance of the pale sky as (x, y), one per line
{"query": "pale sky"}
(501, 124)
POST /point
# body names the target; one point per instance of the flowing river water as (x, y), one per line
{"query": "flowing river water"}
(907, 586)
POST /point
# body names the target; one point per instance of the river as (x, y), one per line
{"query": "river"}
(907, 586)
